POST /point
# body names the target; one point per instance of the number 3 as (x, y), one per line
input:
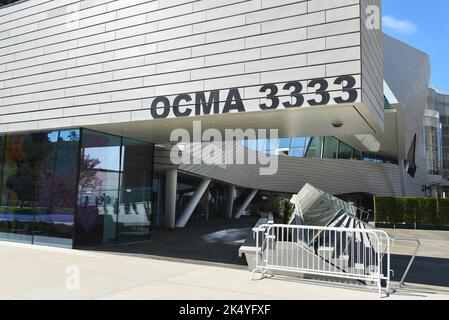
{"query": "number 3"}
(272, 96)
(348, 88)
(321, 91)
(296, 94)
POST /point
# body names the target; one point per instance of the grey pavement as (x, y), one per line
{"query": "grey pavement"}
(431, 266)
(199, 262)
(33, 272)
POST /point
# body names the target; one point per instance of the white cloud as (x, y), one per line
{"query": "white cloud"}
(399, 26)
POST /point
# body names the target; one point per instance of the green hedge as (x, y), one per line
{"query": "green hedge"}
(415, 212)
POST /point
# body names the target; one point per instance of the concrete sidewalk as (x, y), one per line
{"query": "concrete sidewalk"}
(32, 272)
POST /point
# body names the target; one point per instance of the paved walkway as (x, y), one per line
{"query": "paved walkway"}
(431, 267)
(434, 244)
(32, 272)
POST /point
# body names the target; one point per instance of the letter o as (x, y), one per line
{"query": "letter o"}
(154, 108)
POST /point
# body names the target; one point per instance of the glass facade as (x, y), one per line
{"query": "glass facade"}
(114, 190)
(432, 136)
(158, 197)
(318, 147)
(439, 102)
(313, 147)
(61, 186)
(212, 204)
(38, 187)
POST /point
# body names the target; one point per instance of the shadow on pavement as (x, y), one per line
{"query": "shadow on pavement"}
(216, 241)
(425, 270)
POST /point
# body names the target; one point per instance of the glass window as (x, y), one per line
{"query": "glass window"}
(314, 148)
(158, 196)
(272, 145)
(300, 142)
(344, 151)
(18, 188)
(260, 145)
(285, 143)
(39, 188)
(98, 189)
(218, 194)
(297, 152)
(252, 144)
(56, 190)
(134, 209)
(357, 155)
(330, 150)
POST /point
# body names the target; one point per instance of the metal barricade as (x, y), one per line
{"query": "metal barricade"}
(346, 253)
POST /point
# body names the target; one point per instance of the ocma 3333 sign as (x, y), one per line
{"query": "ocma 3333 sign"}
(185, 105)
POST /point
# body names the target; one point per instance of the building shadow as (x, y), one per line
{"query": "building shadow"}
(425, 270)
(217, 241)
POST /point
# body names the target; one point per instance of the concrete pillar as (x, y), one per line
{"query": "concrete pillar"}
(171, 181)
(187, 213)
(230, 201)
(245, 204)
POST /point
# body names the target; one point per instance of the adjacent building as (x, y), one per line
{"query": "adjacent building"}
(436, 124)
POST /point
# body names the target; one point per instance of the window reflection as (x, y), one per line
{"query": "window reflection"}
(114, 196)
(315, 147)
(135, 192)
(98, 188)
(330, 150)
(38, 187)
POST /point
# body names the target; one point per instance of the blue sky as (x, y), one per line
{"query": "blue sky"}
(423, 25)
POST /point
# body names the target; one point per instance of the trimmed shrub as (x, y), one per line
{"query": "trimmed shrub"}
(384, 210)
(419, 212)
(426, 213)
(443, 212)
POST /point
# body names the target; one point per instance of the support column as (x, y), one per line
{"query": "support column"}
(245, 204)
(188, 211)
(171, 182)
(230, 201)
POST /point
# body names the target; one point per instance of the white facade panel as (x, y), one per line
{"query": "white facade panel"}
(67, 56)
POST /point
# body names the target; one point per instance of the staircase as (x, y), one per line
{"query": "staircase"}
(325, 240)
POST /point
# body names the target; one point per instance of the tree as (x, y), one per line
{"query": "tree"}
(88, 173)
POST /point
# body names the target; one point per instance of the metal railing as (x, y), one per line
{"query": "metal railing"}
(412, 259)
(361, 255)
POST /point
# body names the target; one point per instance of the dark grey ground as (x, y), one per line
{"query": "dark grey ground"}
(213, 242)
(217, 243)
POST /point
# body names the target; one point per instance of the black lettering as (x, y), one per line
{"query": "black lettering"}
(155, 108)
(272, 96)
(177, 102)
(201, 104)
(296, 94)
(234, 101)
(348, 88)
(321, 91)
